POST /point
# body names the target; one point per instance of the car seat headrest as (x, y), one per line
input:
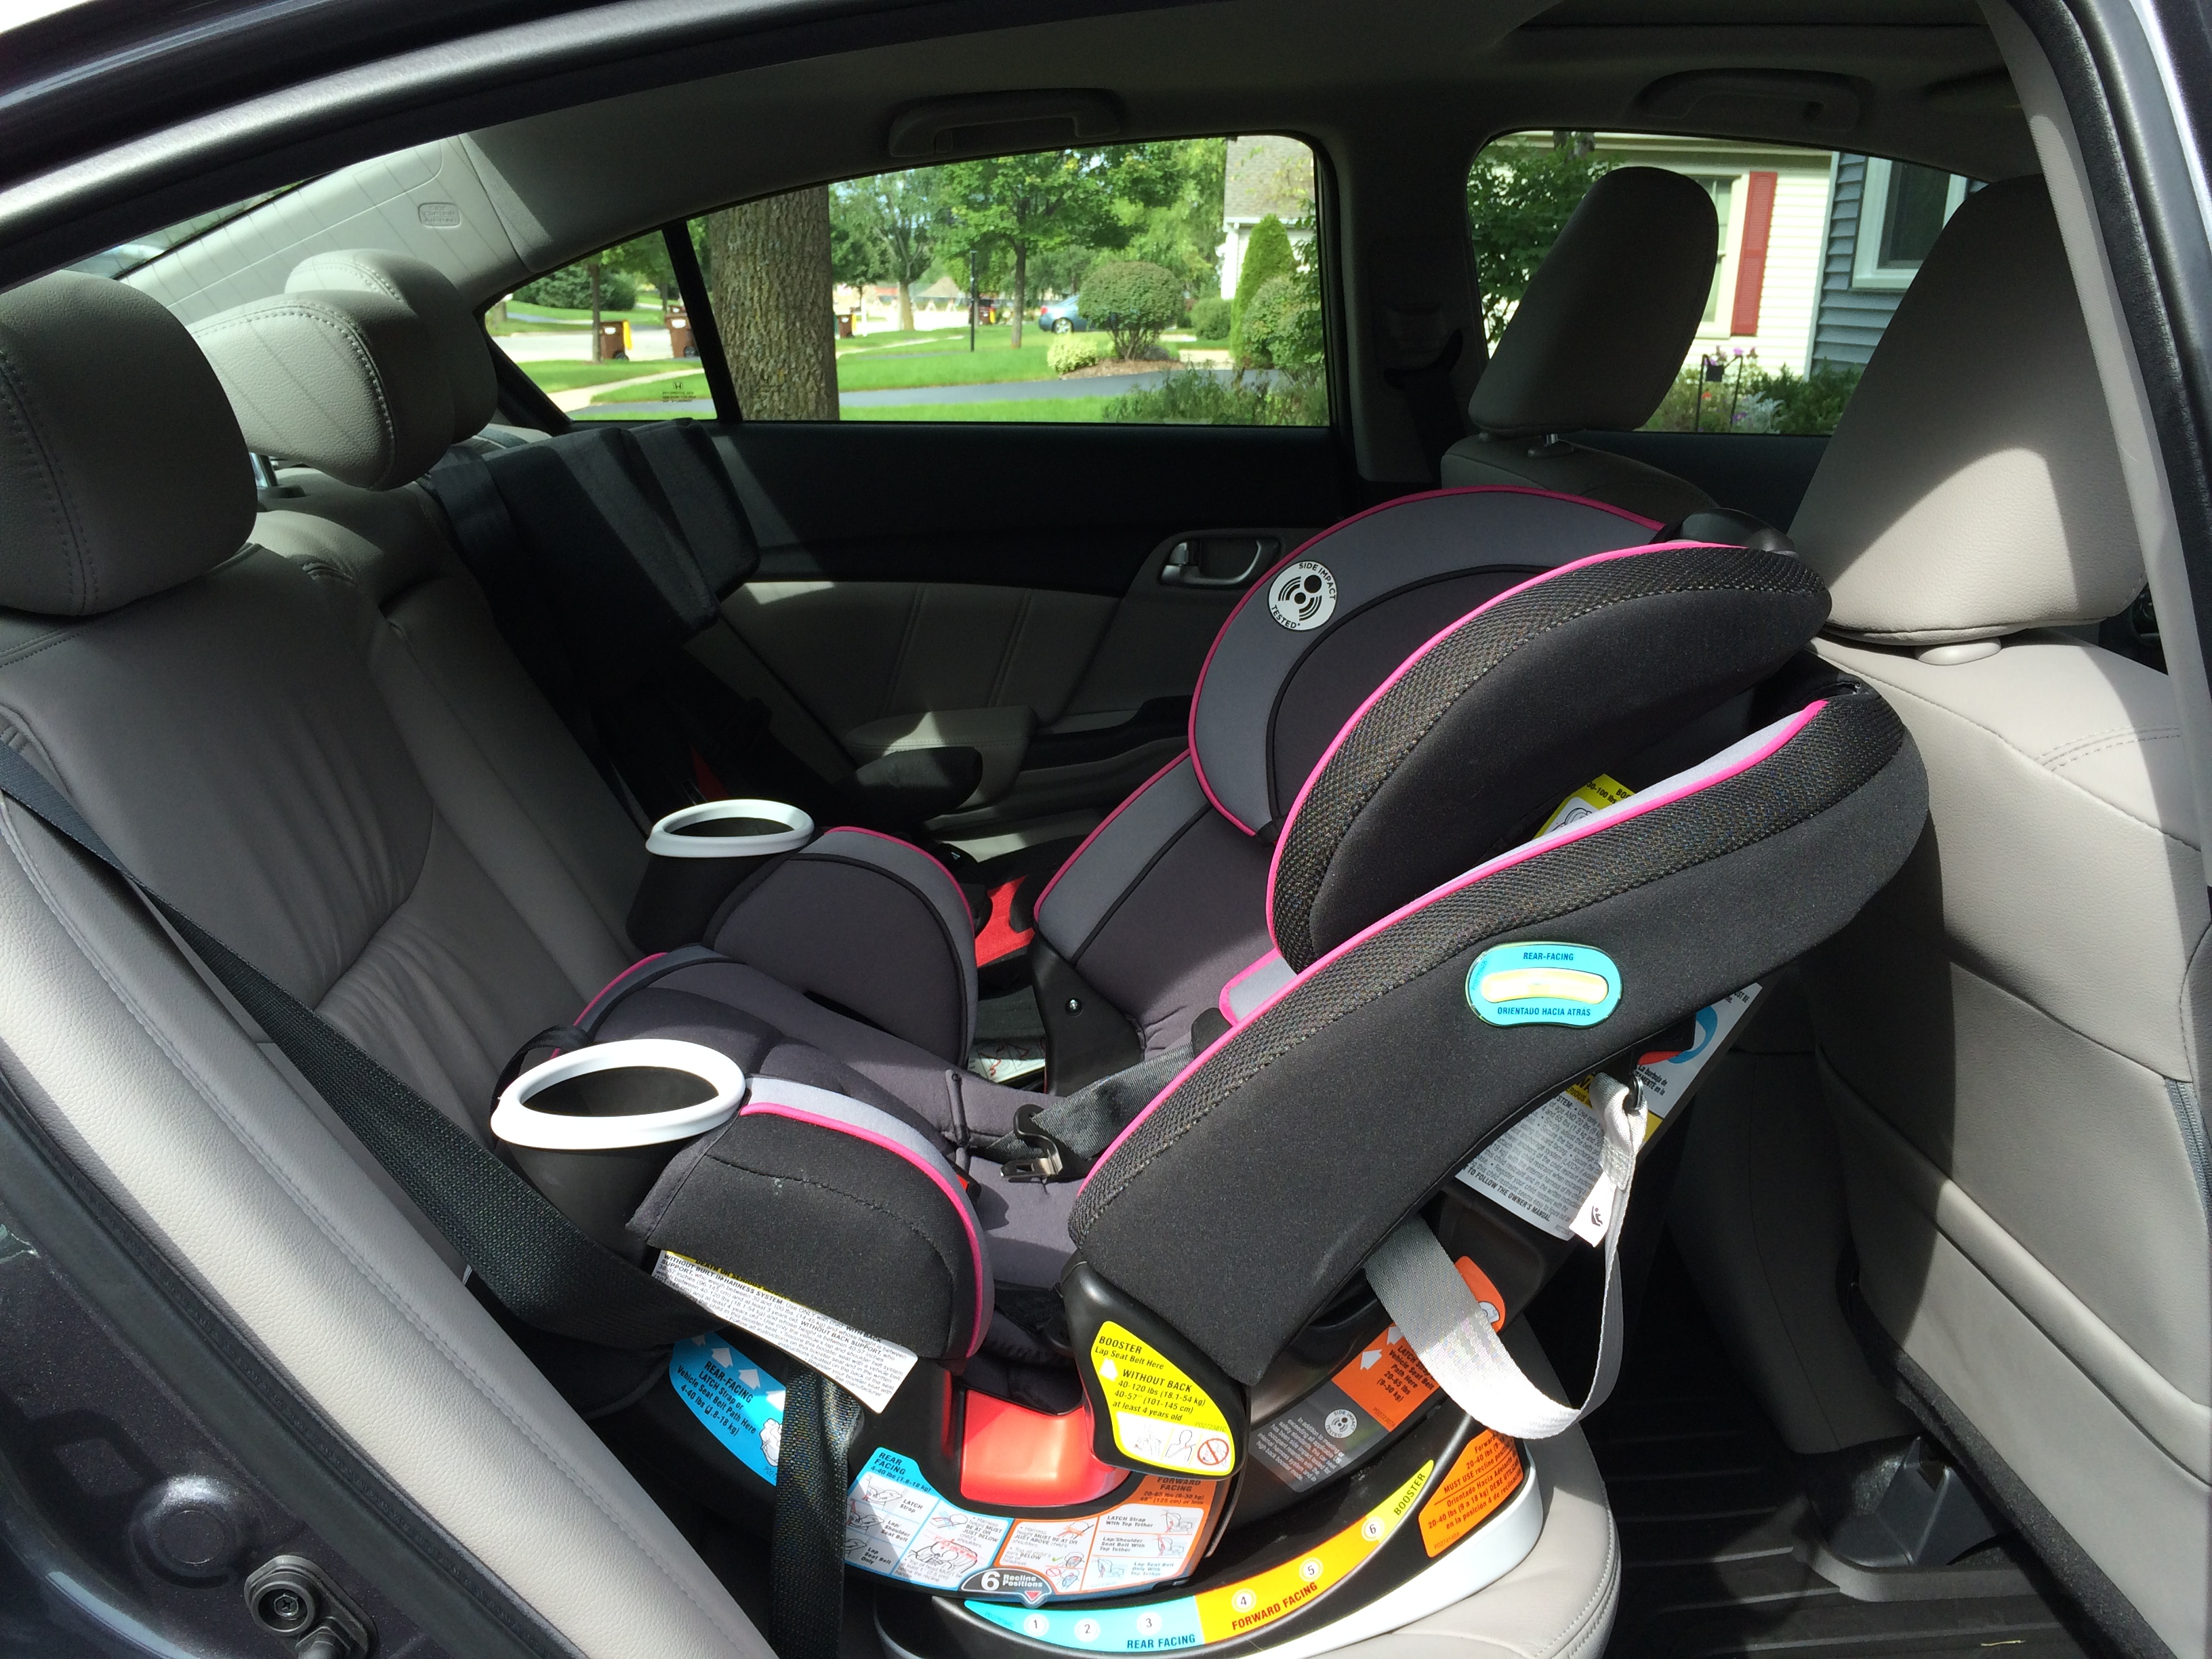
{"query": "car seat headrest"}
(122, 472)
(1459, 755)
(347, 383)
(1973, 487)
(1610, 313)
(458, 338)
(1314, 635)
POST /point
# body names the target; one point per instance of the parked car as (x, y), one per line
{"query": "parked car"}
(1061, 317)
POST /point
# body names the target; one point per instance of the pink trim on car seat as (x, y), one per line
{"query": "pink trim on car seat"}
(1275, 859)
(1127, 801)
(759, 1108)
(1634, 806)
(1297, 552)
(855, 829)
(615, 980)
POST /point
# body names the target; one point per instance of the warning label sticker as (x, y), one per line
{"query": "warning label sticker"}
(900, 1526)
(1588, 801)
(871, 1367)
(741, 1405)
(1485, 1475)
(1159, 1415)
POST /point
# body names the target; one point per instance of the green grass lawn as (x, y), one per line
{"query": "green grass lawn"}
(557, 375)
(1010, 409)
(889, 372)
(660, 391)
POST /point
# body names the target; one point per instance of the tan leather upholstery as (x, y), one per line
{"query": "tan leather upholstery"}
(1595, 343)
(2008, 1034)
(457, 337)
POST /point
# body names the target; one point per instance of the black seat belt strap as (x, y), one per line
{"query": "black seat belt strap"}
(528, 1254)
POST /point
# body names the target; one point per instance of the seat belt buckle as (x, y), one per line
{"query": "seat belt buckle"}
(1046, 1159)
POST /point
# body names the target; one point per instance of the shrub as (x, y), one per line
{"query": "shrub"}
(1266, 256)
(1069, 352)
(1132, 299)
(1200, 397)
(1209, 319)
(1750, 400)
(569, 288)
(1282, 325)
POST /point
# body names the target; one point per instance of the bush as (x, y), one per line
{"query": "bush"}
(1209, 319)
(1069, 352)
(1750, 400)
(1282, 325)
(1266, 256)
(1199, 396)
(569, 288)
(1132, 299)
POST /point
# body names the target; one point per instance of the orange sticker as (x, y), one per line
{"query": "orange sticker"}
(1486, 1473)
(1387, 1379)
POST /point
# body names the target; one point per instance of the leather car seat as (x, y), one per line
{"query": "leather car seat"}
(1596, 340)
(2010, 1037)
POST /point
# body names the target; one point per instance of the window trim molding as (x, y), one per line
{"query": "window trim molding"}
(1867, 270)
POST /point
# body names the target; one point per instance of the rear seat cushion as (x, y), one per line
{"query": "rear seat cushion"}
(91, 525)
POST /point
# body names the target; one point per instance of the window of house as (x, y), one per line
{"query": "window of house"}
(1174, 282)
(1814, 250)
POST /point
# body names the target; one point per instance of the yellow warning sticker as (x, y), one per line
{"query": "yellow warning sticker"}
(1234, 1609)
(1594, 797)
(1485, 1473)
(1160, 1416)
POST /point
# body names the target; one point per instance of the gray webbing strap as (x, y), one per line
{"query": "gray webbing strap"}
(1435, 1311)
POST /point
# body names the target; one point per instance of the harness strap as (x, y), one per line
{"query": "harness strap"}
(1435, 1311)
(528, 1254)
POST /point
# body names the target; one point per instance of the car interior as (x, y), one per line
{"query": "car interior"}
(1450, 1014)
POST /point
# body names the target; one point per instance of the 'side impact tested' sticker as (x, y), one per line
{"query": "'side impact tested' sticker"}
(739, 1401)
(896, 1524)
(1302, 596)
(866, 1365)
(1159, 1416)
(1227, 1611)
(1543, 982)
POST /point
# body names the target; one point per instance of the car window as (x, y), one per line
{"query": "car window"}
(125, 258)
(1174, 282)
(1815, 248)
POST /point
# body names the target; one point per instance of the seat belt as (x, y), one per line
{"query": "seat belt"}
(806, 1538)
(1439, 417)
(531, 1256)
(1435, 1311)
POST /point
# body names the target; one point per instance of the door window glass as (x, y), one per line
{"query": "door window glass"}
(1815, 249)
(1174, 282)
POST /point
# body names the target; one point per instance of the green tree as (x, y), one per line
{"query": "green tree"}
(1008, 208)
(1266, 256)
(887, 227)
(1520, 194)
(1183, 232)
(644, 259)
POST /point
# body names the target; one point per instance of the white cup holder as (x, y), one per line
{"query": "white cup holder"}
(731, 829)
(699, 856)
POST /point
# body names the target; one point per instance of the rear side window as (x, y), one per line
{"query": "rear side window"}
(1174, 282)
(1815, 247)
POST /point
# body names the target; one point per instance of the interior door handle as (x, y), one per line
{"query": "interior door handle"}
(1218, 560)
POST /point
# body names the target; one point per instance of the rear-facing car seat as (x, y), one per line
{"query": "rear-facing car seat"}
(1596, 340)
(245, 738)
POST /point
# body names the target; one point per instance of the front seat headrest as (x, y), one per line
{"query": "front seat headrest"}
(1973, 487)
(1609, 315)
(122, 472)
(350, 384)
(462, 346)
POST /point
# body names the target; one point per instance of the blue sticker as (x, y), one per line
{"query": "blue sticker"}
(741, 1405)
(1162, 1626)
(1543, 982)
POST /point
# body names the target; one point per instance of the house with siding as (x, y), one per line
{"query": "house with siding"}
(1882, 218)
(1263, 175)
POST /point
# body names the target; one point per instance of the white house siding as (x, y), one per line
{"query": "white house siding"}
(1790, 297)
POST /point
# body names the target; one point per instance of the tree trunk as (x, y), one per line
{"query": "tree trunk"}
(1021, 291)
(771, 293)
(906, 307)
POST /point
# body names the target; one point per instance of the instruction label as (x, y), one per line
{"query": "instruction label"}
(1593, 797)
(1160, 1416)
(741, 1405)
(900, 1526)
(1486, 1472)
(863, 1365)
(1234, 1609)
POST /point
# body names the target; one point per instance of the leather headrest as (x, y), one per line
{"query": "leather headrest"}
(458, 338)
(1610, 314)
(350, 384)
(122, 472)
(1973, 487)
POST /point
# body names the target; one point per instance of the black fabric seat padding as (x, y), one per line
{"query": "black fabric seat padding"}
(1337, 1111)
(1524, 703)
